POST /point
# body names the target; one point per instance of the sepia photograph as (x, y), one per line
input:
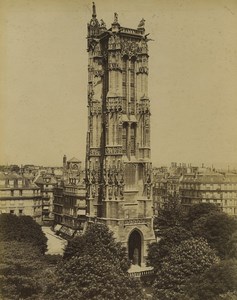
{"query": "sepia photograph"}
(118, 150)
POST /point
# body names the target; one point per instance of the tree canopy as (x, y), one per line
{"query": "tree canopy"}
(21, 265)
(169, 238)
(218, 229)
(171, 214)
(191, 257)
(191, 249)
(218, 282)
(23, 228)
(98, 240)
(93, 277)
(199, 210)
(94, 267)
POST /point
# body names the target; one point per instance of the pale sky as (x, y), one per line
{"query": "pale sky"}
(192, 77)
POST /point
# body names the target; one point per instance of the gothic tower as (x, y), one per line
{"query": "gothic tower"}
(118, 167)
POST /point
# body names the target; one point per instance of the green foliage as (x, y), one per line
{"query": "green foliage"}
(171, 215)
(219, 282)
(94, 267)
(10, 227)
(98, 240)
(199, 210)
(191, 257)
(170, 238)
(228, 296)
(95, 278)
(219, 229)
(53, 259)
(20, 269)
(23, 228)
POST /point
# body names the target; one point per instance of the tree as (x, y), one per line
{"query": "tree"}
(10, 227)
(228, 296)
(219, 229)
(199, 210)
(98, 240)
(219, 282)
(191, 257)
(23, 228)
(21, 265)
(171, 237)
(95, 267)
(32, 232)
(93, 277)
(171, 215)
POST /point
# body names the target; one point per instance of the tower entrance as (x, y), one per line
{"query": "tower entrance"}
(135, 247)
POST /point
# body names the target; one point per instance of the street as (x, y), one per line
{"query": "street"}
(55, 243)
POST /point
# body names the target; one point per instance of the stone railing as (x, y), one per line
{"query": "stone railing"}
(130, 31)
(136, 221)
(139, 274)
(116, 150)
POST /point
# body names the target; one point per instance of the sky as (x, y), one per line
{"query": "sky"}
(192, 78)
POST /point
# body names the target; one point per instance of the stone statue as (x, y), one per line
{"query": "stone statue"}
(135, 257)
(102, 23)
(142, 23)
(115, 17)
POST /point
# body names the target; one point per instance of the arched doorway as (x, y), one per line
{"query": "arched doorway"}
(135, 247)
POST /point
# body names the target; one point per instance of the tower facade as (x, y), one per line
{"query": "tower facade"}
(118, 167)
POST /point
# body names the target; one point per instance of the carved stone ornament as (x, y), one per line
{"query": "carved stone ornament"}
(92, 43)
(130, 48)
(114, 42)
(95, 108)
(114, 104)
(120, 119)
(117, 150)
(141, 23)
(102, 23)
(142, 70)
(113, 182)
(94, 152)
(137, 221)
(144, 107)
(98, 73)
(144, 46)
(114, 67)
(147, 120)
(115, 18)
(90, 94)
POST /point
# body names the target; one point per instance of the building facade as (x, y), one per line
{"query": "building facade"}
(20, 196)
(193, 185)
(211, 187)
(46, 182)
(164, 186)
(69, 200)
(118, 167)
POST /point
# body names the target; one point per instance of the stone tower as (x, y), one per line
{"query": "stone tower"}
(118, 167)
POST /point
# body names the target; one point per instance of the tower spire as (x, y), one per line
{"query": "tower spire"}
(93, 10)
